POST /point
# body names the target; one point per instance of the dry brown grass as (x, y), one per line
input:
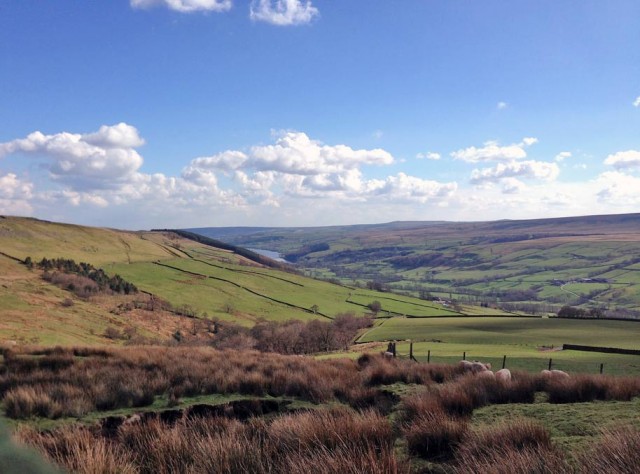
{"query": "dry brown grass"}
(521, 446)
(587, 388)
(435, 435)
(331, 441)
(615, 451)
(73, 381)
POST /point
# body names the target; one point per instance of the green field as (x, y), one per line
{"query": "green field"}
(528, 343)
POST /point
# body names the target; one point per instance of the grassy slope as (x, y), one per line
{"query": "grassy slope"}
(31, 311)
(212, 281)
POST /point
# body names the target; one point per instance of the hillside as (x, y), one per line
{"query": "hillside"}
(194, 279)
(529, 265)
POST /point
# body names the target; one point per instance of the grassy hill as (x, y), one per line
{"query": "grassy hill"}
(529, 265)
(196, 279)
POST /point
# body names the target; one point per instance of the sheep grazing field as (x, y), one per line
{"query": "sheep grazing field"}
(194, 409)
(527, 342)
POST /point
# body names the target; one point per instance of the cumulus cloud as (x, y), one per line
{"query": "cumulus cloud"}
(624, 159)
(296, 166)
(516, 169)
(493, 151)
(563, 155)
(410, 188)
(296, 153)
(430, 155)
(12, 187)
(15, 195)
(636, 103)
(101, 170)
(85, 161)
(283, 12)
(512, 186)
(186, 6)
(502, 105)
(619, 188)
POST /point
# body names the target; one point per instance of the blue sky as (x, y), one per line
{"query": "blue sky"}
(163, 113)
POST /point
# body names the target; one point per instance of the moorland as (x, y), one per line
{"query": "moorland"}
(161, 351)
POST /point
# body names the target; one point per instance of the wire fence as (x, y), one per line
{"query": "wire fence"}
(608, 364)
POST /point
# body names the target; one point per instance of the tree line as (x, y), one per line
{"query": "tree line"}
(82, 278)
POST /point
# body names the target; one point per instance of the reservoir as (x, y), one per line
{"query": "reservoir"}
(271, 254)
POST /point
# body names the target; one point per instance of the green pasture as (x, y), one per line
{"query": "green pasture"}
(23, 237)
(207, 292)
(528, 343)
(401, 304)
(533, 332)
(216, 298)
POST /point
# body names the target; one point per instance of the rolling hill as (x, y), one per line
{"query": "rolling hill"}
(534, 266)
(192, 280)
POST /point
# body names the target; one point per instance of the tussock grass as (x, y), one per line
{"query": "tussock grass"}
(521, 446)
(72, 381)
(587, 388)
(616, 451)
(435, 435)
(349, 430)
(331, 441)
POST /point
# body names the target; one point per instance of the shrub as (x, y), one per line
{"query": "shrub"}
(112, 333)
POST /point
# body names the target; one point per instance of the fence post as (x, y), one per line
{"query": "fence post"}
(393, 349)
(601, 368)
(550, 362)
(429, 356)
(411, 352)
(504, 361)
(464, 356)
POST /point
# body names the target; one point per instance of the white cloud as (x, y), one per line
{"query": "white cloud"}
(186, 6)
(502, 105)
(283, 12)
(85, 161)
(403, 187)
(563, 155)
(11, 187)
(624, 159)
(296, 153)
(619, 189)
(516, 169)
(636, 103)
(430, 155)
(512, 186)
(492, 151)
(15, 195)
(226, 161)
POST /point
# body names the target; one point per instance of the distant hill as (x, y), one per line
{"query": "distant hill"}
(530, 265)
